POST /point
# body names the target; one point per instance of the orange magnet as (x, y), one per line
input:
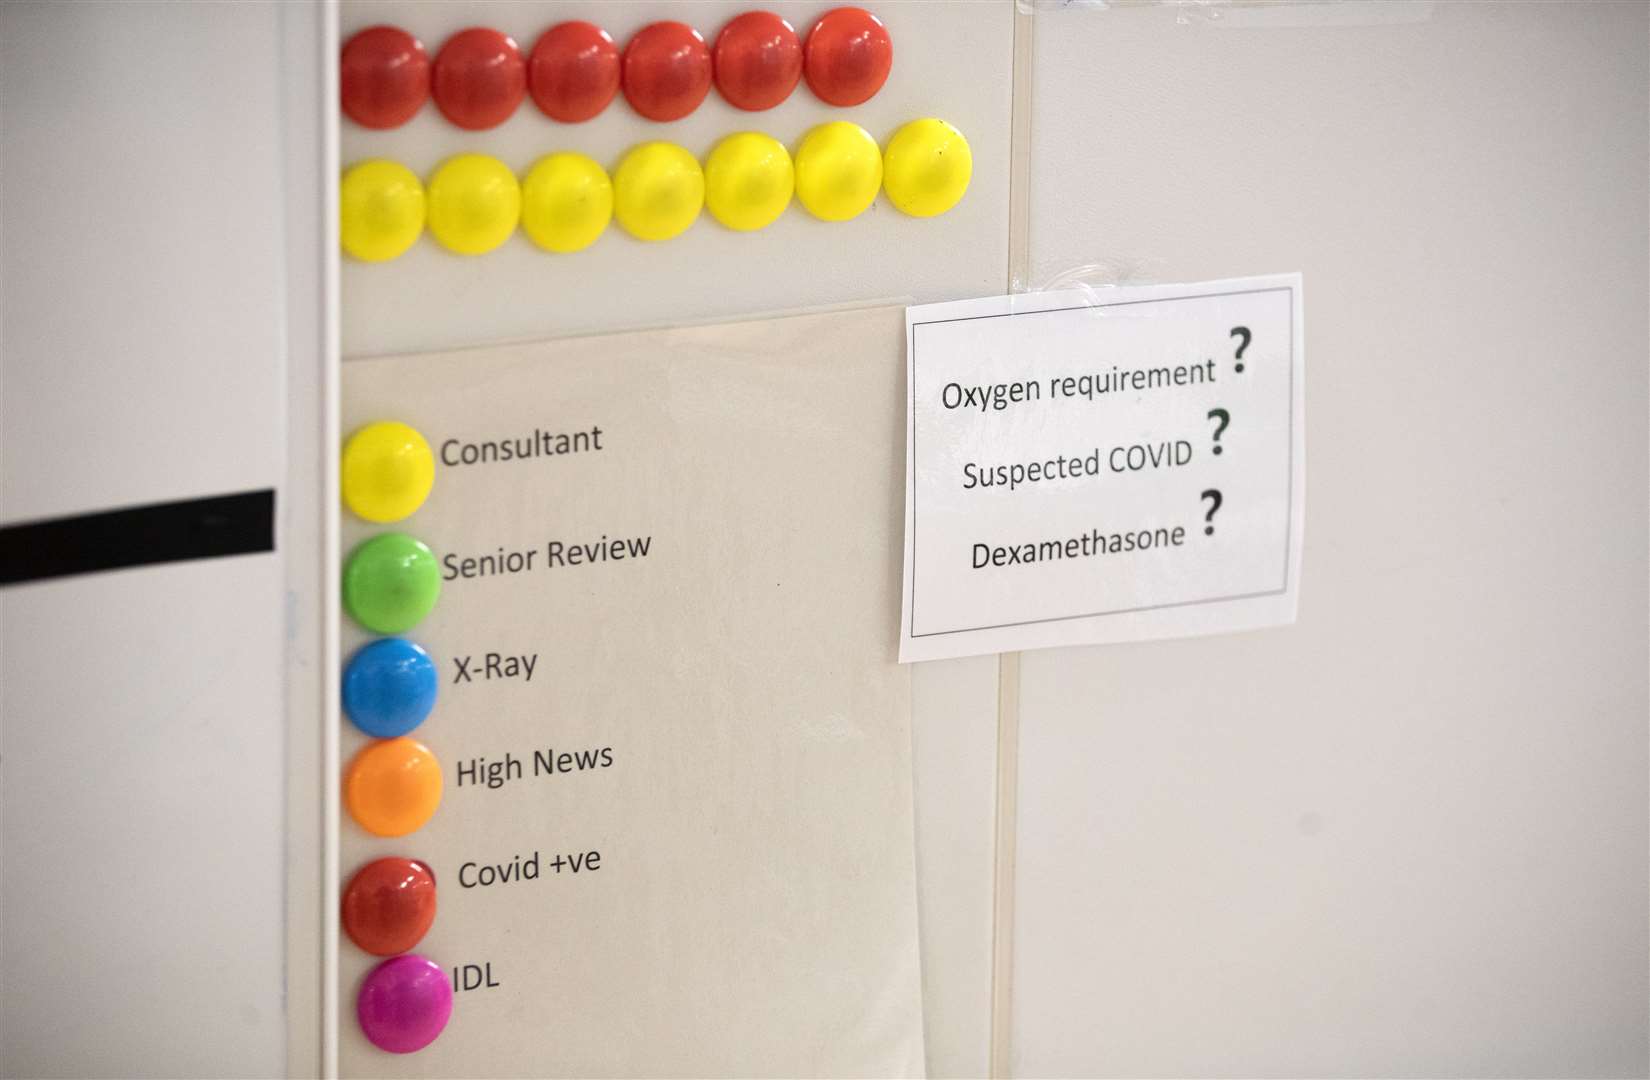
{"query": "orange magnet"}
(393, 786)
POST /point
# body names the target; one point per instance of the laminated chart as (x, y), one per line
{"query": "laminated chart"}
(648, 791)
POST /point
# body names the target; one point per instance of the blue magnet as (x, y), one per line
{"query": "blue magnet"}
(389, 687)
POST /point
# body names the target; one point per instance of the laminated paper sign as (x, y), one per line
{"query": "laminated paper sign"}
(1102, 465)
(675, 835)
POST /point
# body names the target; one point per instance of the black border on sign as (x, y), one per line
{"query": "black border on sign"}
(1289, 477)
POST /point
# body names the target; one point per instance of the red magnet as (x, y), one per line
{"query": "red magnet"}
(388, 905)
(384, 75)
(847, 57)
(479, 78)
(758, 61)
(573, 71)
(666, 70)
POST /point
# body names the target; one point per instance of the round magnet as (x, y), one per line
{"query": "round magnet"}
(389, 687)
(748, 181)
(393, 786)
(479, 78)
(404, 1003)
(658, 189)
(757, 61)
(383, 77)
(573, 71)
(667, 70)
(847, 56)
(387, 471)
(380, 210)
(566, 202)
(475, 203)
(838, 171)
(390, 583)
(926, 167)
(389, 905)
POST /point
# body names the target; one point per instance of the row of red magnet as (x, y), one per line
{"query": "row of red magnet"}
(479, 76)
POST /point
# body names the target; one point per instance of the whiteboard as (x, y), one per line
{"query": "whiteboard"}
(951, 60)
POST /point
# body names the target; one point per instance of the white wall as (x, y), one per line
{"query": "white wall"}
(1406, 837)
(143, 331)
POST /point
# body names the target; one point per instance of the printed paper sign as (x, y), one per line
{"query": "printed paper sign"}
(1102, 465)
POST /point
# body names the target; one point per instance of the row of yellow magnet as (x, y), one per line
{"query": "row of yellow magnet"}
(473, 202)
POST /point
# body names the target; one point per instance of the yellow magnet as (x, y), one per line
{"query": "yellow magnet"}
(748, 181)
(658, 189)
(380, 209)
(927, 167)
(838, 171)
(393, 786)
(388, 470)
(566, 202)
(475, 203)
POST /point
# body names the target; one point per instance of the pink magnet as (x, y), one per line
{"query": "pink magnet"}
(404, 1003)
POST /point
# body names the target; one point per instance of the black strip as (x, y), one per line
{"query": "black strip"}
(138, 536)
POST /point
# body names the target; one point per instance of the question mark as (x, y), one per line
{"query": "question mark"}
(1225, 418)
(1209, 530)
(1243, 332)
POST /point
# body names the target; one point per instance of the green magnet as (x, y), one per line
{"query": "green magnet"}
(390, 583)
